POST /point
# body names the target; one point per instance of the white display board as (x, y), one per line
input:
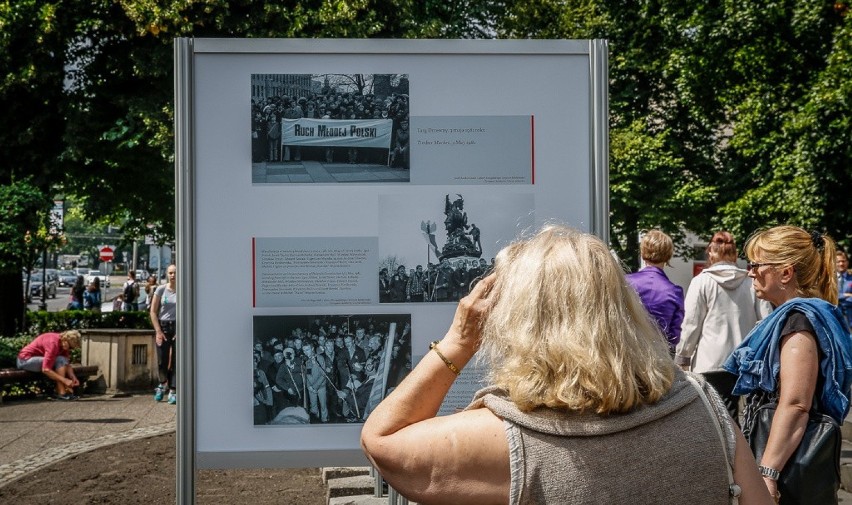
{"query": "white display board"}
(290, 205)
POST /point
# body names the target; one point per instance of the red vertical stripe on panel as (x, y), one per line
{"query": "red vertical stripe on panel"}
(253, 277)
(532, 147)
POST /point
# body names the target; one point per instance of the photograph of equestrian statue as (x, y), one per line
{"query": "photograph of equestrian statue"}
(432, 246)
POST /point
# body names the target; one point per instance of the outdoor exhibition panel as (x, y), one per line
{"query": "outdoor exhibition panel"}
(306, 168)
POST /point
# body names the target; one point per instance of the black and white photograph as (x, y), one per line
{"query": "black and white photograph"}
(432, 246)
(330, 128)
(327, 369)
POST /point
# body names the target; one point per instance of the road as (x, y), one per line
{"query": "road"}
(63, 296)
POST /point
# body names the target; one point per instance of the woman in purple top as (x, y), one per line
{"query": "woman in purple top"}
(662, 298)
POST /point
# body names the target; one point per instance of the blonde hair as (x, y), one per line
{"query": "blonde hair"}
(567, 331)
(656, 247)
(72, 337)
(722, 247)
(812, 256)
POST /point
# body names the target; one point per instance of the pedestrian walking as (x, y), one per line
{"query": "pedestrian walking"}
(130, 290)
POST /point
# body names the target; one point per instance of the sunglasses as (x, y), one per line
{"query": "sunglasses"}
(754, 266)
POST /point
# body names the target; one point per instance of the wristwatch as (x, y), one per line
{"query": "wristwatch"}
(769, 472)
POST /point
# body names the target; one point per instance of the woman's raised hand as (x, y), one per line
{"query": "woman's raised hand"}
(466, 329)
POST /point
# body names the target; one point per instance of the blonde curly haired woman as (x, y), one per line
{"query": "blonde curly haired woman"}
(585, 404)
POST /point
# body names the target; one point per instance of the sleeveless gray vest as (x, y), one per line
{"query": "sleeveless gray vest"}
(668, 452)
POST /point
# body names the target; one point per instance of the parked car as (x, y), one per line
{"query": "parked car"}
(142, 275)
(36, 283)
(67, 277)
(100, 275)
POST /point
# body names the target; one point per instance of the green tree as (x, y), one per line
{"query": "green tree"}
(88, 88)
(650, 185)
(663, 108)
(87, 92)
(23, 210)
(723, 114)
(797, 169)
(31, 92)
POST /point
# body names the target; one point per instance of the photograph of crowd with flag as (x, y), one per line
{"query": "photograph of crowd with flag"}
(432, 246)
(330, 119)
(327, 369)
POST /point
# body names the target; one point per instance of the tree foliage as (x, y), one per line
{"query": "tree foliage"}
(23, 210)
(793, 145)
(723, 113)
(31, 92)
(87, 89)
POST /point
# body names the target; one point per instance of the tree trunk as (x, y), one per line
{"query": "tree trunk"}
(11, 304)
(631, 246)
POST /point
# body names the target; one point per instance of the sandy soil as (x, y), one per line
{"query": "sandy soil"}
(143, 472)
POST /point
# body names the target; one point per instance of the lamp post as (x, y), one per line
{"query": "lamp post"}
(43, 304)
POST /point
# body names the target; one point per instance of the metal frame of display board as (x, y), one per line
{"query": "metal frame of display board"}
(186, 53)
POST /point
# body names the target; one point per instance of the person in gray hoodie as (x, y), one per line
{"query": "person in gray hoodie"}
(720, 309)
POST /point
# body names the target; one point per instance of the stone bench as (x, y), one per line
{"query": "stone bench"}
(18, 376)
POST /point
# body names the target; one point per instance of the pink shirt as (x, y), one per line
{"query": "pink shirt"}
(46, 345)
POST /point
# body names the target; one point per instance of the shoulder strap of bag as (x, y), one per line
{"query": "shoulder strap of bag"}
(733, 488)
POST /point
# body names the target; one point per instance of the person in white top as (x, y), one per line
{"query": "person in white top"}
(720, 309)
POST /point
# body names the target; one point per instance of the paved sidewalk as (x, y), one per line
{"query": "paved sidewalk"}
(37, 433)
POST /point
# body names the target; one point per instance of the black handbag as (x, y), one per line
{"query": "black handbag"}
(812, 474)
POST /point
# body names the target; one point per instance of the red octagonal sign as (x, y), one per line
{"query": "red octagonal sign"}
(106, 253)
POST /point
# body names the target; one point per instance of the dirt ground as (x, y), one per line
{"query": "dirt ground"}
(143, 472)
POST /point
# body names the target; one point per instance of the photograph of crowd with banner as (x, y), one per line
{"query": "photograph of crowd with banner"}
(331, 118)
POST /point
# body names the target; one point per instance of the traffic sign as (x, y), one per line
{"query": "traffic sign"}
(107, 253)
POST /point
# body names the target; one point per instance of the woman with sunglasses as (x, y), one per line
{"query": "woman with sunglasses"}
(800, 356)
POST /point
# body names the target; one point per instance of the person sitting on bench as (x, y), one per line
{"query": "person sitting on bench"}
(50, 354)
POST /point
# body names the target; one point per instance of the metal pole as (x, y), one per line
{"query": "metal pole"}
(184, 170)
(377, 487)
(394, 498)
(599, 112)
(43, 304)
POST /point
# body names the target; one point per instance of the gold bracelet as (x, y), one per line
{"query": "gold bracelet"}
(453, 368)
